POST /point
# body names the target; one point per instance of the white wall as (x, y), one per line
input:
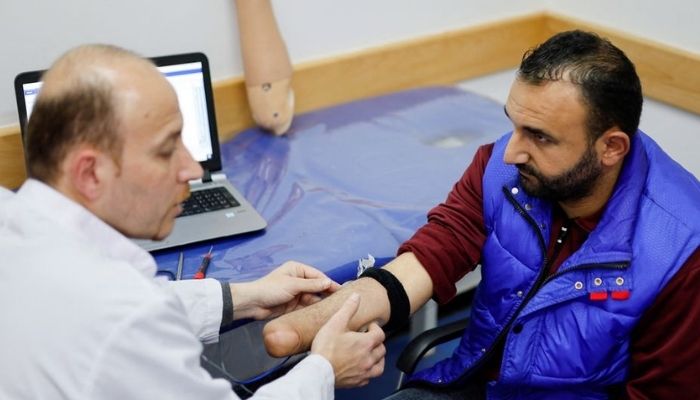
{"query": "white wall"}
(673, 22)
(35, 32)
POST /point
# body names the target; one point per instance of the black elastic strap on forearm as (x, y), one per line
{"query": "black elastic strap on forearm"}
(400, 308)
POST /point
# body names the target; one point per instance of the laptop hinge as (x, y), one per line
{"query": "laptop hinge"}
(218, 177)
(206, 176)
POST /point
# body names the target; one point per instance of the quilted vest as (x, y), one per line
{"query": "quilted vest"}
(567, 335)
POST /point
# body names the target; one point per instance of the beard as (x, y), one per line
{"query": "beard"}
(574, 184)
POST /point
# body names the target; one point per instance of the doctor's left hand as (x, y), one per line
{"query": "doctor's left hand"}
(291, 286)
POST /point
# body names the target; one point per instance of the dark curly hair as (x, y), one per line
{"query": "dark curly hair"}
(608, 80)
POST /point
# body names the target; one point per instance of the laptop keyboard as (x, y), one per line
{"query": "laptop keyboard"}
(206, 200)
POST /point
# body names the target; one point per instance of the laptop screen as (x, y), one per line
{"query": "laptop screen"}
(187, 79)
(31, 90)
(189, 76)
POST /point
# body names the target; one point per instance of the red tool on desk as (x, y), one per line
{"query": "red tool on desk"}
(202, 271)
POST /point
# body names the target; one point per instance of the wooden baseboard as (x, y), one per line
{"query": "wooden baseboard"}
(12, 172)
(437, 59)
(668, 74)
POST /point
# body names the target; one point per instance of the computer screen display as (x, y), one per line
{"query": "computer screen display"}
(188, 81)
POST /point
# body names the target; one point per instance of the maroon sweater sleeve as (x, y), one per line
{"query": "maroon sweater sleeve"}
(665, 349)
(449, 245)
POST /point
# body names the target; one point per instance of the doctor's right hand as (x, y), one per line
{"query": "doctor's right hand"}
(355, 356)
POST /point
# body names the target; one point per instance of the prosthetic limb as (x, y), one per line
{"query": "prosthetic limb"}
(267, 68)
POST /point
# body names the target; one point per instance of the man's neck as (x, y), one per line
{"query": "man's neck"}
(592, 203)
(61, 185)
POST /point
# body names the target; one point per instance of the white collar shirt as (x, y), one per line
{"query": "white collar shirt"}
(85, 318)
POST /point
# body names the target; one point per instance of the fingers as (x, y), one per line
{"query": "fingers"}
(301, 270)
(335, 286)
(377, 369)
(317, 285)
(358, 356)
(309, 272)
(339, 321)
(377, 332)
(379, 352)
(375, 359)
(364, 365)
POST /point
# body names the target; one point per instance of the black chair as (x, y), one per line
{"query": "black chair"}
(414, 351)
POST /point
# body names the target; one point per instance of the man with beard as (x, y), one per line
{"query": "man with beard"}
(587, 233)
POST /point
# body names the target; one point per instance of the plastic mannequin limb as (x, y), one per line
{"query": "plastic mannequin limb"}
(293, 333)
(268, 70)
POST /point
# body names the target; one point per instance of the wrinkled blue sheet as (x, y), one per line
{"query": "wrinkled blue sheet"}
(347, 181)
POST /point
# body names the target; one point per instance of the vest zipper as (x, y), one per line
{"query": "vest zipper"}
(541, 277)
(539, 282)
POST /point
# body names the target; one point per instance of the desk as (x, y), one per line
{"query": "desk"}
(346, 181)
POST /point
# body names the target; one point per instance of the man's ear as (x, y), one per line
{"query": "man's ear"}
(88, 170)
(613, 146)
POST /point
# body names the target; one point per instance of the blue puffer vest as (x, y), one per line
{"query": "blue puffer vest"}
(560, 342)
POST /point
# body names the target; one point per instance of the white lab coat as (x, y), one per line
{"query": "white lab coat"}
(84, 318)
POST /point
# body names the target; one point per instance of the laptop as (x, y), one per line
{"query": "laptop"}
(215, 208)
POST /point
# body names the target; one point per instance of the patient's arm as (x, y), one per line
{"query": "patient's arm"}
(268, 70)
(293, 333)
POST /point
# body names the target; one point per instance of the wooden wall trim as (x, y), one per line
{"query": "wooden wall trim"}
(12, 172)
(668, 74)
(437, 59)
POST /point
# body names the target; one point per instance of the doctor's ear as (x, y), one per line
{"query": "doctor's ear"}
(613, 146)
(88, 171)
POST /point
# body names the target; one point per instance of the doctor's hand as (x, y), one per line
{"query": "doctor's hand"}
(355, 356)
(291, 286)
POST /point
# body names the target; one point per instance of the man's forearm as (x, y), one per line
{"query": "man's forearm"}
(294, 332)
